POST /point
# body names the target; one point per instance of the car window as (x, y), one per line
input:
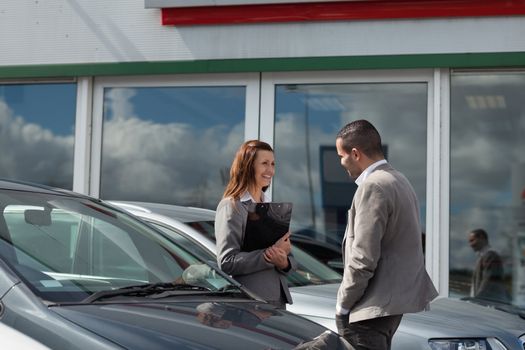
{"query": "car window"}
(184, 241)
(51, 235)
(68, 248)
(309, 270)
(207, 228)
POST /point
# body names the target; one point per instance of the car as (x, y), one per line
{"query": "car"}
(77, 274)
(327, 253)
(312, 279)
(13, 339)
(451, 323)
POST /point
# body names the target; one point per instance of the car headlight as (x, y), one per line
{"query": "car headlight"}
(466, 344)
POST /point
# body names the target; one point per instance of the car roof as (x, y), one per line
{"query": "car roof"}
(25, 186)
(179, 212)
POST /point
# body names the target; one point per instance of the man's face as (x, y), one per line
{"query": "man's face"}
(347, 160)
(475, 242)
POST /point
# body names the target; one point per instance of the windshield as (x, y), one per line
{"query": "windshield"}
(66, 248)
(309, 271)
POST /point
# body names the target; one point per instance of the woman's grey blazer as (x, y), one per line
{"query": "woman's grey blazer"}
(248, 268)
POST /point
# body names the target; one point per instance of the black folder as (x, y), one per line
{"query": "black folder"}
(266, 223)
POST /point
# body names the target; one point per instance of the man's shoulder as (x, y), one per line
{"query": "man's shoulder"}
(385, 174)
(388, 180)
(491, 254)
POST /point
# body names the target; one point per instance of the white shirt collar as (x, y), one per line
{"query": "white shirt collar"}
(368, 171)
(483, 250)
(248, 197)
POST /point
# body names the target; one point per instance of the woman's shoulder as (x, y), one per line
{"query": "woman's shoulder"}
(228, 202)
(230, 208)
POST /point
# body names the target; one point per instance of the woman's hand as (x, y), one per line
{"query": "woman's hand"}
(276, 256)
(284, 243)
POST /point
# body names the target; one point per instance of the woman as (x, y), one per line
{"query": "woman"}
(260, 270)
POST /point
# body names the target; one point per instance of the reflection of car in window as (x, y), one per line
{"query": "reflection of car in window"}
(450, 323)
(76, 273)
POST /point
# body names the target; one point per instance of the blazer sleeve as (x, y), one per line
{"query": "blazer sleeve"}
(229, 234)
(363, 252)
(292, 267)
(492, 271)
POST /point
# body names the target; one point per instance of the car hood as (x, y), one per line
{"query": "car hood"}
(315, 300)
(453, 317)
(328, 291)
(193, 325)
(447, 317)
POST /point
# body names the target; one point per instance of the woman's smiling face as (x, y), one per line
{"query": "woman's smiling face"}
(264, 168)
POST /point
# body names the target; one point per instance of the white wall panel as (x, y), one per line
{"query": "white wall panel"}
(81, 31)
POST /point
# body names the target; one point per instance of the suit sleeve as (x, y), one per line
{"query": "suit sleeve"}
(363, 252)
(229, 235)
(292, 267)
(492, 272)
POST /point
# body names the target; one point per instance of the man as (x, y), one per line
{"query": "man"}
(487, 278)
(384, 273)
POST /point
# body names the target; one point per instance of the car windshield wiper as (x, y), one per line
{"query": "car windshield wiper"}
(144, 290)
(225, 291)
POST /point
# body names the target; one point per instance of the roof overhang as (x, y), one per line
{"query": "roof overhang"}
(202, 12)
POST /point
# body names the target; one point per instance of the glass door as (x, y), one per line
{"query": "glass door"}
(301, 115)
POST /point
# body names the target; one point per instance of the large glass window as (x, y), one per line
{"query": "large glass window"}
(170, 144)
(308, 171)
(37, 128)
(487, 186)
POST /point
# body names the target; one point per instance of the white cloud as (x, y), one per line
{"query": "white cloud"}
(31, 152)
(171, 162)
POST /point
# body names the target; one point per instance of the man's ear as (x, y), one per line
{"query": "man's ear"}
(355, 153)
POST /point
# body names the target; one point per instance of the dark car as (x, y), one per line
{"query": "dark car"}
(76, 273)
(450, 324)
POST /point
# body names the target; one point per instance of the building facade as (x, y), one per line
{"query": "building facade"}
(148, 100)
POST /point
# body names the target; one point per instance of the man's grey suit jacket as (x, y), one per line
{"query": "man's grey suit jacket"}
(382, 251)
(248, 268)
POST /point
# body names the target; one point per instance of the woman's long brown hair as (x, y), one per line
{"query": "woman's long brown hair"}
(242, 174)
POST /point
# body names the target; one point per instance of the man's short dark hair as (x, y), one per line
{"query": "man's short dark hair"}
(361, 134)
(480, 233)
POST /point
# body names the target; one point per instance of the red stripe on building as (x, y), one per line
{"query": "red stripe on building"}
(340, 10)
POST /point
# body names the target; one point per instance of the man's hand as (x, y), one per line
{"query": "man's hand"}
(342, 321)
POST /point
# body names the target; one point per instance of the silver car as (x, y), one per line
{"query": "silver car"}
(13, 339)
(451, 324)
